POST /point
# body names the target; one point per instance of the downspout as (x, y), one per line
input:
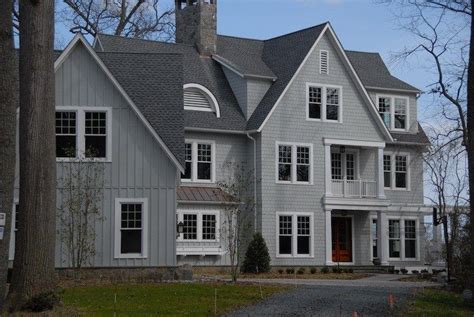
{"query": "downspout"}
(254, 180)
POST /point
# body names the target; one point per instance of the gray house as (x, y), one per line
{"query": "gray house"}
(332, 137)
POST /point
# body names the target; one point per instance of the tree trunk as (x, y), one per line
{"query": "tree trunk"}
(449, 249)
(35, 241)
(8, 104)
(470, 146)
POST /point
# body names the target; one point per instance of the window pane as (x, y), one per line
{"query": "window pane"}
(188, 158)
(394, 248)
(350, 166)
(400, 171)
(65, 146)
(303, 244)
(303, 240)
(285, 232)
(131, 216)
(394, 238)
(65, 134)
(336, 165)
(96, 134)
(401, 180)
(204, 157)
(384, 111)
(303, 163)
(189, 227)
(387, 168)
(374, 238)
(314, 102)
(284, 163)
(208, 227)
(131, 241)
(285, 245)
(410, 248)
(332, 103)
(400, 113)
(204, 171)
(410, 229)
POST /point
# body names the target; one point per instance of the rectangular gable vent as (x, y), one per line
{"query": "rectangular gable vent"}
(323, 61)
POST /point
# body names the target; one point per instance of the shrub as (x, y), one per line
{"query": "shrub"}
(424, 271)
(415, 272)
(325, 270)
(280, 271)
(257, 258)
(336, 269)
(313, 270)
(396, 271)
(290, 271)
(404, 271)
(349, 271)
(42, 302)
(301, 270)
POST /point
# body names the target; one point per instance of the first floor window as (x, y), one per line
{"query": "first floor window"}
(410, 239)
(132, 227)
(373, 230)
(199, 161)
(294, 163)
(66, 134)
(199, 225)
(394, 238)
(294, 235)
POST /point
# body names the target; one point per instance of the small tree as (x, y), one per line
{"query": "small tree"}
(237, 216)
(81, 186)
(257, 258)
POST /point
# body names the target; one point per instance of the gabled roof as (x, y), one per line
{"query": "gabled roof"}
(196, 69)
(151, 84)
(374, 73)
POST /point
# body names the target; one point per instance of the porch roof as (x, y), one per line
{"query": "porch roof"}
(204, 195)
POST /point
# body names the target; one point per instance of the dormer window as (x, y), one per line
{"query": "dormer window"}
(199, 98)
(394, 112)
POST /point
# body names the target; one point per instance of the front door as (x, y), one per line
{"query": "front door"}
(341, 239)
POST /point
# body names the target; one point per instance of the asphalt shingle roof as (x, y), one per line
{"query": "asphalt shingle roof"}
(153, 82)
(196, 69)
(418, 138)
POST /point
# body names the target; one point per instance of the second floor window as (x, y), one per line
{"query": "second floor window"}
(394, 112)
(199, 161)
(324, 103)
(294, 163)
(82, 133)
(396, 171)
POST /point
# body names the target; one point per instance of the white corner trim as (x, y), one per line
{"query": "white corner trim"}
(79, 38)
(145, 225)
(209, 94)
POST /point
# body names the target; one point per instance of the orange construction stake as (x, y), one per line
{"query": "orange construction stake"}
(391, 301)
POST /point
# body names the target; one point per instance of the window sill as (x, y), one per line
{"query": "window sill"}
(130, 256)
(76, 160)
(403, 260)
(284, 256)
(293, 183)
(321, 120)
(181, 240)
(188, 181)
(398, 189)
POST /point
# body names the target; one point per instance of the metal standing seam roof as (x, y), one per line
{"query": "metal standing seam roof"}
(188, 194)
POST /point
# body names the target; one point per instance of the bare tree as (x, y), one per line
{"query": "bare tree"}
(33, 272)
(129, 18)
(81, 186)
(237, 224)
(8, 104)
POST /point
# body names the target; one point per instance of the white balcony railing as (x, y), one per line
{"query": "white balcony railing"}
(358, 188)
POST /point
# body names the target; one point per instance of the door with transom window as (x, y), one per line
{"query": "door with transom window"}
(341, 239)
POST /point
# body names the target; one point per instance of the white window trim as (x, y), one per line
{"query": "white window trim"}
(392, 171)
(392, 111)
(194, 164)
(294, 236)
(324, 102)
(293, 163)
(210, 96)
(11, 247)
(402, 238)
(145, 224)
(320, 63)
(199, 214)
(80, 132)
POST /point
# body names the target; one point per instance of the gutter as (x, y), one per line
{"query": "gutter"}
(254, 179)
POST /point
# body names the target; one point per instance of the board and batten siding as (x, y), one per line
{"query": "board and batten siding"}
(139, 167)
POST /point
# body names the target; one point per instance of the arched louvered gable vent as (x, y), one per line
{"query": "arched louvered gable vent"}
(199, 98)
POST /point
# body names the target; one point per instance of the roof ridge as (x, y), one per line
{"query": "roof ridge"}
(145, 40)
(241, 38)
(297, 31)
(365, 52)
(139, 53)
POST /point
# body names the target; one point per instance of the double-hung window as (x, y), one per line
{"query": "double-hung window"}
(294, 235)
(324, 103)
(373, 233)
(199, 225)
(199, 161)
(394, 238)
(403, 239)
(131, 228)
(410, 239)
(396, 171)
(294, 163)
(83, 132)
(394, 112)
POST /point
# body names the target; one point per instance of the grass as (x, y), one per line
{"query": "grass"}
(436, 302)
(164, 299)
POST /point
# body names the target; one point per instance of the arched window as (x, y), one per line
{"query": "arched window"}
(199, 98)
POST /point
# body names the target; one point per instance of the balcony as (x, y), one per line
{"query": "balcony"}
(358, 188)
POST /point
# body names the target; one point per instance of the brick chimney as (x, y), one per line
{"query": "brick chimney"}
(196, 24)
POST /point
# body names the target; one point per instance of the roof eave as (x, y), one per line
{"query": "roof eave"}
(416, 91)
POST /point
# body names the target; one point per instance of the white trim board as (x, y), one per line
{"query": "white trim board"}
(79, 38)
(358, 82)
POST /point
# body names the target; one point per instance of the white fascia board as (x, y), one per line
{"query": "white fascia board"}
(355, 143)
(79, 38)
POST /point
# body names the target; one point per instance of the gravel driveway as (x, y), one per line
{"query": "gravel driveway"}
(367, 297)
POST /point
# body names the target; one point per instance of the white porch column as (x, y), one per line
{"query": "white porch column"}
(382, 237)
(327, 169)
(328, 237)
(379, 175)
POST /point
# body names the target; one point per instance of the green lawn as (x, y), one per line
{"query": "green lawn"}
(435, 302)
(163, 299)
